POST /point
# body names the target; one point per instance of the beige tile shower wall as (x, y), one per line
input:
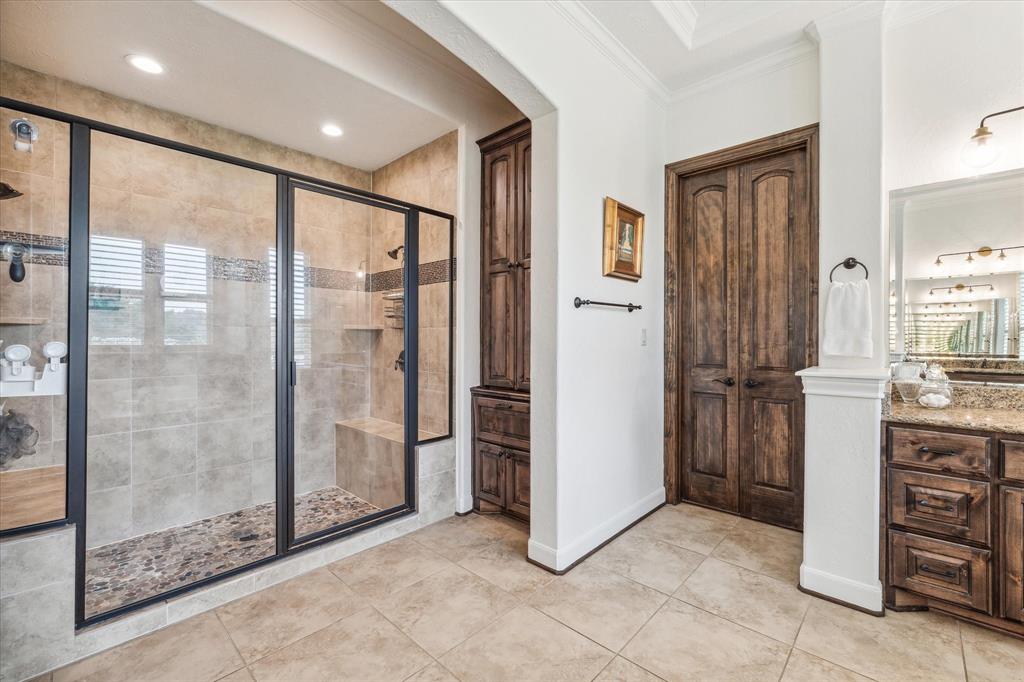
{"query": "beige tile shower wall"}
(178, 433)
(35, 310)
(427, 176)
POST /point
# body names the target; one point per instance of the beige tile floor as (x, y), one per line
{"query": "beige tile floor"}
(687, 594)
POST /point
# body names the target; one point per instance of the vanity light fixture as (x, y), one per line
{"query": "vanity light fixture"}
(983, 252)
(960, 287)
(982, 150)
(144, 63)
(331, 130)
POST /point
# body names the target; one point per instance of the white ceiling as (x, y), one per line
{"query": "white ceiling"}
(682, 42)
(218, 71)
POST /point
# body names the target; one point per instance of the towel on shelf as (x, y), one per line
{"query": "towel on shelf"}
(848, 320)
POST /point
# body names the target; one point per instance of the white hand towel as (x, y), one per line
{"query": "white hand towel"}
(848, 320)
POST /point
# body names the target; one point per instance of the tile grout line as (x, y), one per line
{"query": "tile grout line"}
(963, 651)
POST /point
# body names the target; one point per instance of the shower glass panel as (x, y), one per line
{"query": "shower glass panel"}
(33, 313)
(436, 285)
(180, 449)
(348, 314)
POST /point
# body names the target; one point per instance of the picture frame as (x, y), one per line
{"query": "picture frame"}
(623, 241)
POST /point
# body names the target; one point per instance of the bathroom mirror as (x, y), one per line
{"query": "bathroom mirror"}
(957, 258)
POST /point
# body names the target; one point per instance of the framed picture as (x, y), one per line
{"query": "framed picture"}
(623, 241)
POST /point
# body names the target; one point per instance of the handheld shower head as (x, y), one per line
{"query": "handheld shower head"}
(393, 253)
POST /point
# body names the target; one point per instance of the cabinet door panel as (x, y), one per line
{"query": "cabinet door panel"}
(774, 309)
(1012, 549)
(523, 250)
(708, 283)
(490, 473)
(517, 482)
(498, 300)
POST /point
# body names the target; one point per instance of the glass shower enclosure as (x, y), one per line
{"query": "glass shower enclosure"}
(243, 366)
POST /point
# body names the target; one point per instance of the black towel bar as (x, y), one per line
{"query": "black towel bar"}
(848, 263)
(630, 307)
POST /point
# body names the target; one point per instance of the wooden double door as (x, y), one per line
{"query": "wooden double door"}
(747, 295)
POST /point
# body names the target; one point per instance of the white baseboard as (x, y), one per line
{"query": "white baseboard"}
(864, 595)
(563, 557)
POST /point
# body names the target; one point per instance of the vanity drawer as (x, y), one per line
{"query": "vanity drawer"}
(505, 422)
(948, 452)
(944, 570)
(1013, 460)
(940, 504)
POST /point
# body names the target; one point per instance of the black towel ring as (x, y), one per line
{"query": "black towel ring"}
(848, 263)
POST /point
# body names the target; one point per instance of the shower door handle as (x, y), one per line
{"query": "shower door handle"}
(293, 374)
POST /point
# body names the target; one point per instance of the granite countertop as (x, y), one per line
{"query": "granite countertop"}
(980, 418)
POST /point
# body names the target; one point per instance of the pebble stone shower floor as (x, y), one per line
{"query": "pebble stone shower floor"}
(128, 571)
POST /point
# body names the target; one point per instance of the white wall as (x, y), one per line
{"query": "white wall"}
(943, 73)
(596, 423)
(742, 109)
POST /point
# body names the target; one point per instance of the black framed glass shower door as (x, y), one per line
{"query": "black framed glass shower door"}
(351, 349)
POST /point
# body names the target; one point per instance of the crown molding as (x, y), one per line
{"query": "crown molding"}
(580, 18)
(681, 17)
(754, 68)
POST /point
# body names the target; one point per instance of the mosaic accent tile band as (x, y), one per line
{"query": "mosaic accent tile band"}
(246, 269)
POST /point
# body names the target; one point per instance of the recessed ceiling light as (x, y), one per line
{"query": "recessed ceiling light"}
(144, 63)
(331, 130)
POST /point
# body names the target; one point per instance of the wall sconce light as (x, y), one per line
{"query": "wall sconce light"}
(982, 150)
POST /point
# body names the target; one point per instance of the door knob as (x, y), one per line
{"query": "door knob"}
(751, 383)
(728, 381)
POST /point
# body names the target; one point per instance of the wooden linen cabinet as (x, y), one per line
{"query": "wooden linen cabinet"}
(501, 404)
(741, 320)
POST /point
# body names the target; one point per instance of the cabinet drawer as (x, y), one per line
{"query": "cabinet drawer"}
(1013, 460)
(948, 452)
(944, 570)
(505, 422)
(940, 504)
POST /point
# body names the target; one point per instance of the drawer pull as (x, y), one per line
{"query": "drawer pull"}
(942, 507)
(937, 571)
(924, 449)
(503, 406)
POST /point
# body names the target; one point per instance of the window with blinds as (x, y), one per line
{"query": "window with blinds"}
(116, 276)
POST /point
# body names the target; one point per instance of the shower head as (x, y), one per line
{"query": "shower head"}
(25, 133)
(393, 253)
(8, 192)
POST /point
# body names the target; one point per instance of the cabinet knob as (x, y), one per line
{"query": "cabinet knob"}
(752, 383)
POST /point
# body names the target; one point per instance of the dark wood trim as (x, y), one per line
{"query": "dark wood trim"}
(595, 550)
(505, 135)
(805, 138)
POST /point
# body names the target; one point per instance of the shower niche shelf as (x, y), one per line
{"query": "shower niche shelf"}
(363, 328)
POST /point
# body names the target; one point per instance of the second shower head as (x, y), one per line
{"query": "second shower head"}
(393, 253)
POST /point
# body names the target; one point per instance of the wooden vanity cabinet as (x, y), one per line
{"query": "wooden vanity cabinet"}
(501, 404)
(953, 507)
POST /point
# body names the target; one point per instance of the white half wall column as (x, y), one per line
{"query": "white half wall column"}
(844, 395)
